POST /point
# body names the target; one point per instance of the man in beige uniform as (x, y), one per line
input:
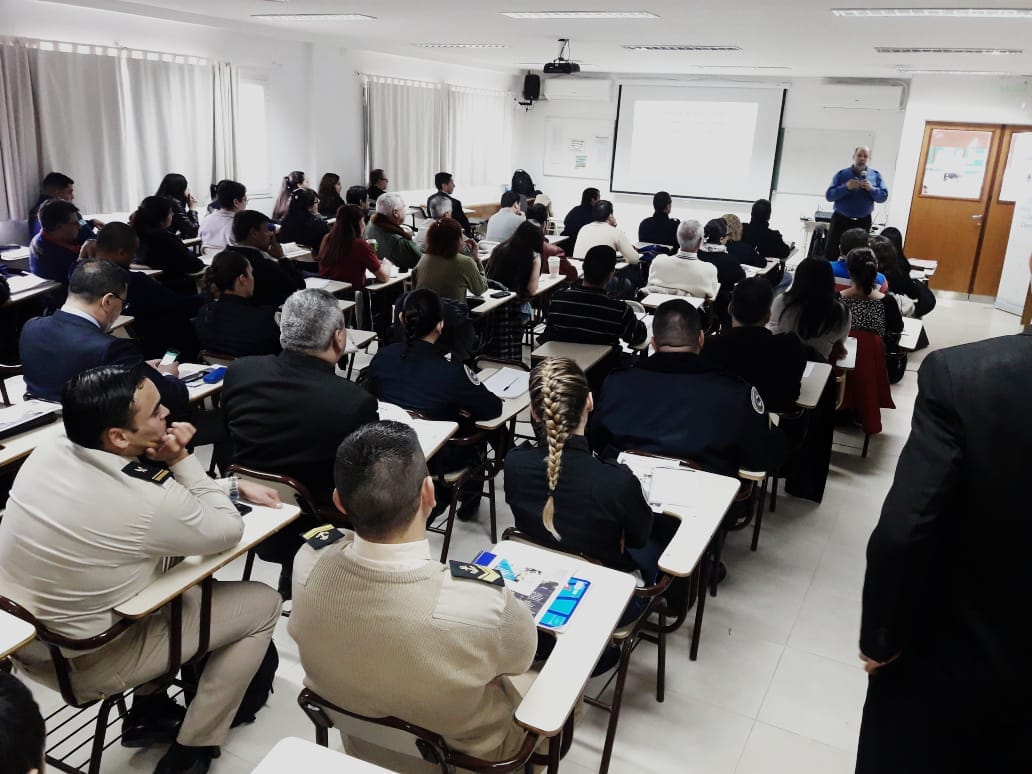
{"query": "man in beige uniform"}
(384, 630)
(89, 521)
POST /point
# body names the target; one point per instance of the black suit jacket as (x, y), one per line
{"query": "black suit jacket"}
(287, 414)
(948, 572)
(457, 213)
(56, 348)
(232, 325)
(772, 364)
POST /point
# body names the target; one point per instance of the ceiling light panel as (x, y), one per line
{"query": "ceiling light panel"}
(922, 71)
(460, 45)
(678, 47)
(574, 15)
(911, 50)
(947, 13)
(313, 17)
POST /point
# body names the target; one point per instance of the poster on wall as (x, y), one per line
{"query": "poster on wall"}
(577, 147)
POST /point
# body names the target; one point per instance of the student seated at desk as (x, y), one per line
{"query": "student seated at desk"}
(423, 642)
(772, 364)
(503, 224)
(438, 208)
(444, 269)
(275, 277)
(89, 524)
(684, 274)
(229, 324)
(359, 196)
(416, 376)
(23, 732)
(75, 337)
(714, 251)
(445, 185)
(516, 264)
(393, 243)
(176, 189)
(659, 228)
(741, 251)
(161, 250)
(55, 249)
(162, 318)
(377, 185)
(603, 231)
(672, 403)
(581, 215)
(303, 224)
(216, 230)
(559, 492)
(295, 181)
(273, 431)
(852, 239)
(758, 233)
(924, 298)
(813, 311)
(59, 186)
(330, 199)
(869, 308)
(345, 256)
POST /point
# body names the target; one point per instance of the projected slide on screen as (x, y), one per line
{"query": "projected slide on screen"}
(698, 142)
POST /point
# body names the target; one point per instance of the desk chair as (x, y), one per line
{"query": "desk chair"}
(65, 717)
(866, 390)
(482, 471)
(290, 490)
(212, 358)
(626, 638)
(6, 372)
(416, 742)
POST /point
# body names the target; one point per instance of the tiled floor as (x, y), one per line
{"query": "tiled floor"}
(777, 688)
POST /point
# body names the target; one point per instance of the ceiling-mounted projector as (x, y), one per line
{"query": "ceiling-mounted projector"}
(561, 65)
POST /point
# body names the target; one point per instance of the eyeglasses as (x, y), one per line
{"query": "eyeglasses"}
(118, 297)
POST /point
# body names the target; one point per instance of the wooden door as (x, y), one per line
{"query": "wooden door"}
(1011, 167)
(951, 200)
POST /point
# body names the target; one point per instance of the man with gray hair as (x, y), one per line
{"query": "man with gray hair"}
(287, 413)
(684, 274)
(439, 207)
(393, 240)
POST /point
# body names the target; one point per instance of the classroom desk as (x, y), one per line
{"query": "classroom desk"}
(259, 524)
(488, 304)
(139, 267)
(199, 390)
(14, 633)
(395, 279)
(120, 324)
(293, 754)
(584, 355)
(560, 684)
(17, 447)
(653, 300)
(812, 384)
(578, 264)
(16, 257)
(194, 243)
(357, 339)
(912, 328)
(510, 406)
(756, 271)
(330, 285)
(432, 435)
(548, 283)
(345, 306)
(927, 267)
(295, 252)
(640, 245)
(555, 238)
(848, 362)
(26, 286)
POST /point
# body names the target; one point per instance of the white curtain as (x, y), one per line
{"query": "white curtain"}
(405, 130)
(479, 136)
(115, 120)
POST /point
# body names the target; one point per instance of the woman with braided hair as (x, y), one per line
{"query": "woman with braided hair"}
(559, 492)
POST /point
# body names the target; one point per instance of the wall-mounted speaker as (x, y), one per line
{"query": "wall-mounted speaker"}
(532, 87)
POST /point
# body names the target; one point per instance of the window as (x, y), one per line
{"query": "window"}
(252, 141)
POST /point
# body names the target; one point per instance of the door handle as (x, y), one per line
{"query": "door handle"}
(976, 217)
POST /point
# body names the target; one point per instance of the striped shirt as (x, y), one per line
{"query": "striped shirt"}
(584, 315)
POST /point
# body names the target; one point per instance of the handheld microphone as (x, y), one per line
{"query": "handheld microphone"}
(863, 174)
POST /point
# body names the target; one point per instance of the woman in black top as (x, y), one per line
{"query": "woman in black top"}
(516, 264)
(924, 298)
(759, 234)
(292, 182)
(559, 492)
(303, 223)
(329, 195)
(229, 324)
(184, 217)
(159, 249)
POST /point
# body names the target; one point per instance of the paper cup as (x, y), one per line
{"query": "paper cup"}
(553, 265)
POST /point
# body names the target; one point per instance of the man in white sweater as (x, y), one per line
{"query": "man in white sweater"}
(90, 521)
(603, 231)
(684, 274)
(385, 630)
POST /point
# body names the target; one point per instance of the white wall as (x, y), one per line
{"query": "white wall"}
(802, 109)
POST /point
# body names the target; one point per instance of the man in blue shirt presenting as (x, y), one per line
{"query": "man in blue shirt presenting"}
(854, 190)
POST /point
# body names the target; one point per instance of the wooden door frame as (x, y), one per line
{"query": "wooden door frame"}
(988, 180)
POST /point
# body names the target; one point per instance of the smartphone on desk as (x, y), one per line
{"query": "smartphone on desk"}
(242, 509)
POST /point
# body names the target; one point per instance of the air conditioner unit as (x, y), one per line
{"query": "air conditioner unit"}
(573, 88)
(861, 96)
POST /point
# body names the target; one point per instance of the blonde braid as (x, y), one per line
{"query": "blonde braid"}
(559, 392)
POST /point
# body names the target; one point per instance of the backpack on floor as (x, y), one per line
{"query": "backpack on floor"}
(257, 692)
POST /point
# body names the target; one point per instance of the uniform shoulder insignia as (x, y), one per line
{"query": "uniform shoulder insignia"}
(472, 571)
(322, 536)
(156, 474)
(471, 375)
(757, 401)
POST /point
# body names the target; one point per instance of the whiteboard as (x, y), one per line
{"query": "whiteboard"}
(811, 157)
(578, 147)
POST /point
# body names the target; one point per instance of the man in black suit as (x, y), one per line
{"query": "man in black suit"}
(446, 185)
(287, 413)
(275, 277)
(54, 349)
(772, 364)
(944, 633)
